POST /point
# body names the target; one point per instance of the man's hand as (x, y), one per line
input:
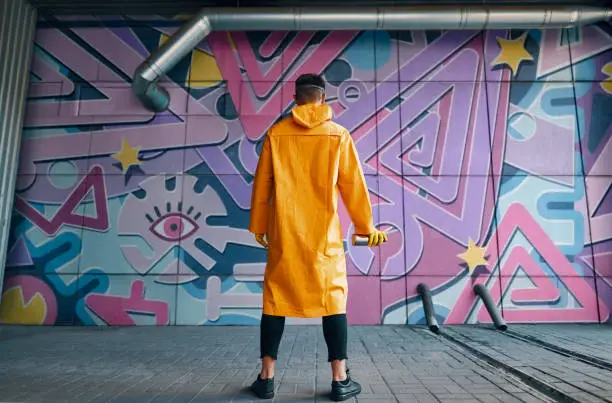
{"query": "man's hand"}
(376, 238)
(261, 239)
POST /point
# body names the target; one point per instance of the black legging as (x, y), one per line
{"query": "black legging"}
(334, 331)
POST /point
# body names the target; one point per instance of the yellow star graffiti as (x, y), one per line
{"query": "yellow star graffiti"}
(127, 156)
(473, 256)
(512, 53)
(606, 84)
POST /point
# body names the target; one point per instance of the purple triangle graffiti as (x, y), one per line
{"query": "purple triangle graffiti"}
(19, 255)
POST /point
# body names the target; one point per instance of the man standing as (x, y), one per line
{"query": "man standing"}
(306, 159)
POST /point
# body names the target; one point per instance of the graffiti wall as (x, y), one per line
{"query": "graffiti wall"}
(487, 155)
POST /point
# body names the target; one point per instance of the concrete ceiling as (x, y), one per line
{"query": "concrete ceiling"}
(170, 7)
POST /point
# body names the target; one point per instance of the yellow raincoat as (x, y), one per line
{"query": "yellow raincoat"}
(305, 160)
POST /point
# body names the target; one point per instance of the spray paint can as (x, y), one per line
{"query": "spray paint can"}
(360, 240)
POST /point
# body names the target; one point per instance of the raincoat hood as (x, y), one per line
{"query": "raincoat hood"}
(311, 115)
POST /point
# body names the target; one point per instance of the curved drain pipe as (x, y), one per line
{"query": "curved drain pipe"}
(163, 59)
(430, 313)
(491, 306)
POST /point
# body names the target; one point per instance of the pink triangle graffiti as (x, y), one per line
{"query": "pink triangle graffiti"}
(116, 310)
(545, 289)
(94, 182)
(275, 88)
(517, 218)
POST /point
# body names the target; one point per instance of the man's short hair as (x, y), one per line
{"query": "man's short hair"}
(309, 87)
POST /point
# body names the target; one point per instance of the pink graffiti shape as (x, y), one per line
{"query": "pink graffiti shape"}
(517, 218)
(264, 113)
(115, 310)
(51, 83)
(545, 288)
(271, 43)
(30, 286)
(93, 181)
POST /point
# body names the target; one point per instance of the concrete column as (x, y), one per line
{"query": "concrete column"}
(17, 26)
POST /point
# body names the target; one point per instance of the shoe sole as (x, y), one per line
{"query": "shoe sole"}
(343, 397)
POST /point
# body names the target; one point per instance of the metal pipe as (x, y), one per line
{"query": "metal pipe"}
(484, 294)
(430, 313)
(402, 18)
(161, 61)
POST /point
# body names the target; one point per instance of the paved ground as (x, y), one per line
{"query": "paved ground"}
(216, 364)
(585, 339)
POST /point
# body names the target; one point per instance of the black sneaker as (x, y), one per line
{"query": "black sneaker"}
(263, 388)
(343, 390)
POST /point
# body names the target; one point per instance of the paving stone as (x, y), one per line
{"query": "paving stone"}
(591, 340)
(486, 398)
(406, 389)
(565, 373)
(510, 388)
(527, 397)
(215, 364)
(564, 387)
(509, 399)
(486, 390)
(585, 397)
(450, 398)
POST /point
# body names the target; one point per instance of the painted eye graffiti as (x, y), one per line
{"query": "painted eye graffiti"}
(173, 226)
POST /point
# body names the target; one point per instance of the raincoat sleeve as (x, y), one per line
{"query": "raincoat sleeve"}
(262, 191)
(353, 188)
